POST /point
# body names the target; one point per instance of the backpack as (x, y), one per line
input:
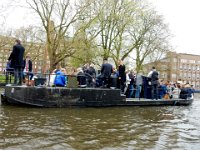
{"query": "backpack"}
(154, 76)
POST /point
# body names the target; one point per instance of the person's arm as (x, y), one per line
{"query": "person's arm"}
(102, 68)
(24, 64)
(127, 78)
(12, 53)
(150, 74)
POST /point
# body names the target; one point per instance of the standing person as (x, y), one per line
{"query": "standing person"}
(16, 58)
(27, 66)
(132, 83)
(127, 84)
(153, 74)
(106, 71)
(138, 83)
(122, 76)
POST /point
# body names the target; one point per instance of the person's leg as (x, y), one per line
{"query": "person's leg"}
(20, 71)
(122, 85)
(138, 90)
(152, 91)
(31, 75)
(108, 82)
(16, 74)
(156, 91)
(131, 91)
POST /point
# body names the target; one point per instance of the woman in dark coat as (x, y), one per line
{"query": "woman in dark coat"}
(122, 75)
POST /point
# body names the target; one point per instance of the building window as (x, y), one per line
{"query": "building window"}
(185, 75)
(197, 68)
(189, 75)
(175, 60)
(192, 61)
(197, 76)
(193, 67)
(189, 67)
(184, 60)
(185, 67)
(193, 76)
(173, 75)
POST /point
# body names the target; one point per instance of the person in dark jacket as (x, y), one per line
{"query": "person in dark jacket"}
(27, 66)
(153, 74)
(106, 71)
(122, 75)
(16, 59)
(81, 78)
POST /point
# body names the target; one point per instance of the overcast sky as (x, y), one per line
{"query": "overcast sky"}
(182, 16)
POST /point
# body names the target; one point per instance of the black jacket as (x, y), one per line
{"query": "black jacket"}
(106, 70)
(29, 66)
(81, 78)
(122, 72)
(16, 56)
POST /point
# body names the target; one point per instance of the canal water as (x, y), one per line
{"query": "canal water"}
(112, 128)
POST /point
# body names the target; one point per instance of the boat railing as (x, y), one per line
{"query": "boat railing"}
(40, 79)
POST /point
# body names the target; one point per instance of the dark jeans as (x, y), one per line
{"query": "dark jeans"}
(106, 82)
(29, 74)
(154, 91)
(18, 74)
(122, 85)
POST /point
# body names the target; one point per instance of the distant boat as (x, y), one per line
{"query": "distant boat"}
(44, 96)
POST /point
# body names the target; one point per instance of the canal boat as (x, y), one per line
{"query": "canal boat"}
(44, 96)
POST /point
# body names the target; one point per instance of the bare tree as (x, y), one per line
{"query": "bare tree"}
(150, 38)
(57, 17)
(32, 39)
(123, 27)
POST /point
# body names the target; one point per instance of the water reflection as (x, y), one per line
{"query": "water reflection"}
(100, 128)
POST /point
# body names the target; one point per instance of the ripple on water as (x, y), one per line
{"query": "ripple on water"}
(101, 128)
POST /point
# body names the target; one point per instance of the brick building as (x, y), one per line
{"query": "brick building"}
(178, 66)
(35, 50)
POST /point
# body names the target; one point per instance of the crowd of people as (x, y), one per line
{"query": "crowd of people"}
(131, 84)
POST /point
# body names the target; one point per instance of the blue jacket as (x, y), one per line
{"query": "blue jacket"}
(162, 90)
(60, 79)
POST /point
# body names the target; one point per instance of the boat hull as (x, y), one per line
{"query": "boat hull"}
(77, 97)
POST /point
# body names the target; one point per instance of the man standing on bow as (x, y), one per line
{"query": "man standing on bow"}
(16, 60)
(153, 74)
